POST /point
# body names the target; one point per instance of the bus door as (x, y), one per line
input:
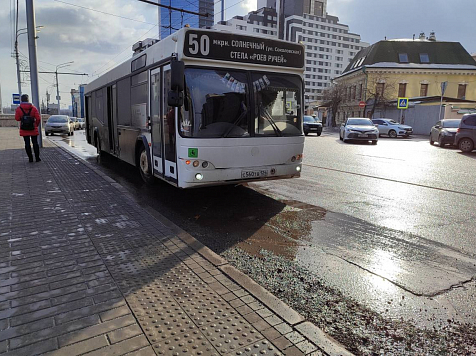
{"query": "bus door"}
(156, 122)
(112, 119)
(169, 133)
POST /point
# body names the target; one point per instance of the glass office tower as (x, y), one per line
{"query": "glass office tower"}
(172, 20)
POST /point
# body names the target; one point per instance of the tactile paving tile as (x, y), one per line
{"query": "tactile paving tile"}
(263, 347)
(193, 343)
(231, 334)
(165, 324)
(143, 303)
(205, 312)
(192, 296)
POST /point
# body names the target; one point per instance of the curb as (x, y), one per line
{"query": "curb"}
(326, 343)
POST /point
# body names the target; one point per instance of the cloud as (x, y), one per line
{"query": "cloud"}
(249, 5)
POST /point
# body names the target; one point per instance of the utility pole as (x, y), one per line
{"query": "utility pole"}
(58, 98)
(159, 20)
(30, 21)
(57, 92)
(222, 10)
(18, 66)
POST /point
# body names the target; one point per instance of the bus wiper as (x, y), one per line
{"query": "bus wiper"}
(268, 117)
(237, 121)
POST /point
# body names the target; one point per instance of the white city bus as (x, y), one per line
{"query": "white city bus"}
(203, 107)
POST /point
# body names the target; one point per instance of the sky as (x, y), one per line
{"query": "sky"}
(97, 42)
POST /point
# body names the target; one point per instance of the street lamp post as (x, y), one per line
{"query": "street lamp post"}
(57, 85)
(21, 31)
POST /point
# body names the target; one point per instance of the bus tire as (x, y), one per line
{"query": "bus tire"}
(144, 166)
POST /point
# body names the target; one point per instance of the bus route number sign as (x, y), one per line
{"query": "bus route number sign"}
(244, 49)
(193, 152)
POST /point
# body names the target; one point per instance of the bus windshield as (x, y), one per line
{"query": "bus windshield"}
(218, 103)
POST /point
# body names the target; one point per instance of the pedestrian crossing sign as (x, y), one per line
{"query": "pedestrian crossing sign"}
(402, 103)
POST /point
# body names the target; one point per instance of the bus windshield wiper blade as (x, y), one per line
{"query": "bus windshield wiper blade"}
(268, 117)
(237, 121)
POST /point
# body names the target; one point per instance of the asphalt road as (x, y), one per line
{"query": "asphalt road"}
(392, 226)
(400, 222)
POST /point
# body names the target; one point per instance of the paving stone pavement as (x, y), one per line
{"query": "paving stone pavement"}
(84, 269)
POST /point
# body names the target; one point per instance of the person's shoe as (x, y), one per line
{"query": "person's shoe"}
(30, 159)
(38, 159)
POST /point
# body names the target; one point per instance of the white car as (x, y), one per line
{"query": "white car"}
(359, 129)
(82, 123)
(392, 128)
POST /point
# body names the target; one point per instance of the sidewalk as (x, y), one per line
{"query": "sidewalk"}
(84, 269)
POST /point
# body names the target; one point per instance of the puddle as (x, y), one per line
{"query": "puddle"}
(285, 232)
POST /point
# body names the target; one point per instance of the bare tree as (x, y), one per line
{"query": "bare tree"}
(380, 91)
(335, 95)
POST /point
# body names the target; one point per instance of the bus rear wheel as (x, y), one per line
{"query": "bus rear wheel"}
(144, 168)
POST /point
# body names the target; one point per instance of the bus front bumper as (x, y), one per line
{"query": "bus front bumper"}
(197, 177)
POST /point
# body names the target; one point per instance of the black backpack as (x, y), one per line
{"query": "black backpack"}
(27, 122)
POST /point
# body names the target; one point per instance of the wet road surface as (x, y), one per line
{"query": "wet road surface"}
(391, 226)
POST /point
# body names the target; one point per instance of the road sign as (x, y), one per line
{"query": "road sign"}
(443, 87)
(16, 98)
(402, 103)
(362, 104)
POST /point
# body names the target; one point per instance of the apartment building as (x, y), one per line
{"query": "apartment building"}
(330, 46)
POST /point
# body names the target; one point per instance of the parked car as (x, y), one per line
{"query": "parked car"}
(82, 123)
(465, 137)
(61, 124)
(312, 124)
(444, 132)
(75, 122)
(392, 128)
(359, 129)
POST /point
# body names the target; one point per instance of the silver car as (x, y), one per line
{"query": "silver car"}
(60, 124)
(75, 122)
(82, 123)
(392, 128)
(358, 129)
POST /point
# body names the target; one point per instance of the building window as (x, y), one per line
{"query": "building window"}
(353, 92)
(402, 89)
(379, 89)
(424, 90)
(403, 57)
(360, 91)
(318, 8)
(424, 58)
(307, 7)
(462, 91)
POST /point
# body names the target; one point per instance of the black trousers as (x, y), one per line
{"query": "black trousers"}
(36, 148)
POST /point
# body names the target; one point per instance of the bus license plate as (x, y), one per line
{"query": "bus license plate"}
(254, 174)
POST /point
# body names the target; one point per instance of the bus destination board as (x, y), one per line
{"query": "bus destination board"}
(245, 49)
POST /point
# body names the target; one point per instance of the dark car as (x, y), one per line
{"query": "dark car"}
(312, 125)
(465, 137)
(444, 132)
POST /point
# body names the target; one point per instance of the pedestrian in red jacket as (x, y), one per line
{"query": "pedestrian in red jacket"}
(27, 109)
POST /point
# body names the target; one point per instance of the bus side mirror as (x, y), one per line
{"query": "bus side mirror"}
(177, 79)
(175, 98)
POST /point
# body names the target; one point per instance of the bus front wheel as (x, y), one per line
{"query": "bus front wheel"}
(144, 167)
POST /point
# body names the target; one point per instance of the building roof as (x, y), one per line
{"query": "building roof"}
(385, 54)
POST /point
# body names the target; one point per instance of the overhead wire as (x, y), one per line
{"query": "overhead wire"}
(103, 12)
(128, 47)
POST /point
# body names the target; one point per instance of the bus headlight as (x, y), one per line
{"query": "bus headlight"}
(196, 163)
(298, 168)
(205, 164)
(199, 176)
